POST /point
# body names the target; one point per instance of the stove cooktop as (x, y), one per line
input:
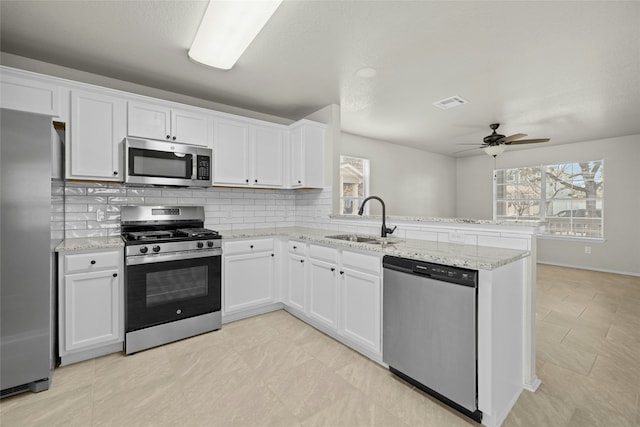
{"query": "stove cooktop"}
(146, 236)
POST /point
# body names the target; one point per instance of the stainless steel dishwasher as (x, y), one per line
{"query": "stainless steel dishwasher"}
(430, 329)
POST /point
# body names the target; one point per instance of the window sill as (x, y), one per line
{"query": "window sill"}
(573, 238)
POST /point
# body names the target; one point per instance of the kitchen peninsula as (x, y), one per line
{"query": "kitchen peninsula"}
(322, 273)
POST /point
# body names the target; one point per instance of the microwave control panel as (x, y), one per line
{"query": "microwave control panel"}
(204, 167)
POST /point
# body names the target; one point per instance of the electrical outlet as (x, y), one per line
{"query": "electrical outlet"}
(100, 215)
(587, 249)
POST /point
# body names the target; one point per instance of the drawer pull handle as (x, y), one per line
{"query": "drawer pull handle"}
(93, 261)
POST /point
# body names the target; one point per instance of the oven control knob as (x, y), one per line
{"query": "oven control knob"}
(210, 244)
(144, 250)
(156, 248)
(200, 245)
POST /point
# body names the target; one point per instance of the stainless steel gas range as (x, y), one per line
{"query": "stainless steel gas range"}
(172, 275)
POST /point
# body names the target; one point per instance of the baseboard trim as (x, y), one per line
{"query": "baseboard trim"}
(582, 267)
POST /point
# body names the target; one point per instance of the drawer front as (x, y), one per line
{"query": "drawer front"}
(299, 248)
(248, 246)
(361, 262)
(74, 263)
(323, 253)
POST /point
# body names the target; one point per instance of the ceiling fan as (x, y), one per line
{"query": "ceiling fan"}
(495, 143)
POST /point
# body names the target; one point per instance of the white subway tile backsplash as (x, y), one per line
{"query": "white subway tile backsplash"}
(75, 207)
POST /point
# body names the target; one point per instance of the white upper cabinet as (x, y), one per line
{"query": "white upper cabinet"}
(307, 155)
(231, 153)
(268, 156)
(248, 155)
(156, 121)
(98, 127)
(30, 93)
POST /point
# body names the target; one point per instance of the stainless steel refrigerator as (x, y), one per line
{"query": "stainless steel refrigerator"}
(26, 356)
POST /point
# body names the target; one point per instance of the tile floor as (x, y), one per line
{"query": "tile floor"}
(274, 370)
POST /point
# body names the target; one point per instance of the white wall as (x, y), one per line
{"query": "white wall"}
(620, 251)
(411, 182)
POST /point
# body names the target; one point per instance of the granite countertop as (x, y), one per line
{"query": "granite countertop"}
(470, 256)
(85, 243)
(391, 218)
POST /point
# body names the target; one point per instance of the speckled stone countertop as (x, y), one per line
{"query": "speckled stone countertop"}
(470, 256)
(85, 243)
(391, 218)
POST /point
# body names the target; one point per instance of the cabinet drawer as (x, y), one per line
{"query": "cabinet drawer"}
(92, 261)
(323, 253)
(248, 246)
(361, 262)
(299, 248)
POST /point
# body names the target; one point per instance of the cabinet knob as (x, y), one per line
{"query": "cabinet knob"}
(115, 274)
(93, 261)
(174, 138)
(251, 246)
(246, 180)
(115, 172)
(273, 255)
(301, 260)
(168, 136)
(333, 269)
(255, 180)
(295, 247)
(299, 182)
(342, 272)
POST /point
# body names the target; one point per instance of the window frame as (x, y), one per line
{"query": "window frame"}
(544, 201)
(366, 165)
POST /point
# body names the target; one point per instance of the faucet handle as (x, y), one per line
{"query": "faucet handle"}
(391, 230)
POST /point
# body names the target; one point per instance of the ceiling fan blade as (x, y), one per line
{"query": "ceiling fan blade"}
(528, 141)
(508, 139)
(471, 143)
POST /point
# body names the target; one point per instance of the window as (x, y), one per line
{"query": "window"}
(354, 184)
(568, 196)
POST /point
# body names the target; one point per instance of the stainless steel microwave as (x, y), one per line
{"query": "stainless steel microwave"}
(149, 162)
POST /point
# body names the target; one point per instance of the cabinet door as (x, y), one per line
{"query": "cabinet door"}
(313, 157)
(297, 158)
(323, 292)
(98, 126)
(297, 278)
(190, 128)
(92, 312)
(248, 280)
(231, 153)
(361, 320)
(149, 121)
(268, 157)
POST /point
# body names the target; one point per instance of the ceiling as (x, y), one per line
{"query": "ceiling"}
(569, 71)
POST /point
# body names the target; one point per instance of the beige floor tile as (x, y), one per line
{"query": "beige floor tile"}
(309, 388)
(275, 357)
(539, 409)
(70, 408)
(332, 353)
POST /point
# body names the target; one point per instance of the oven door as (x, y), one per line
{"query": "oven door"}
(162, 289)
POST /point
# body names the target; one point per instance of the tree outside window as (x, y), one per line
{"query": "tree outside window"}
(354, 184)
(569, 196)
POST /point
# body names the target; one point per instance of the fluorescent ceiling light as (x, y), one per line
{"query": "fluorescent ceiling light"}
(494, 150)
(228, 28)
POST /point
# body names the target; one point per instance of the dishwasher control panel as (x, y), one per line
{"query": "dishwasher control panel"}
(447, 273)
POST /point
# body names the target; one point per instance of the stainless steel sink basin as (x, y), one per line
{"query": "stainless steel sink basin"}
(354, 238)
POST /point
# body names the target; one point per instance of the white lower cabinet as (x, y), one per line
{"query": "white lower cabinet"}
(249, 274)
(338, 291)
(361, 308)
(90, 302)
(323, 292)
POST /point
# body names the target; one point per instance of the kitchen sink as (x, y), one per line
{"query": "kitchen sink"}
(363, 239)
(354, 238)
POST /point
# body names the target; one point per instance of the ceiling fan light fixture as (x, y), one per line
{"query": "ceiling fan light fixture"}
(227, 29)
(494, 150)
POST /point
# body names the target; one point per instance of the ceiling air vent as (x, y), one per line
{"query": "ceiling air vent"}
(453, 101)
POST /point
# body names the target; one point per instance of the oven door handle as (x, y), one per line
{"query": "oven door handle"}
(155, 258)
